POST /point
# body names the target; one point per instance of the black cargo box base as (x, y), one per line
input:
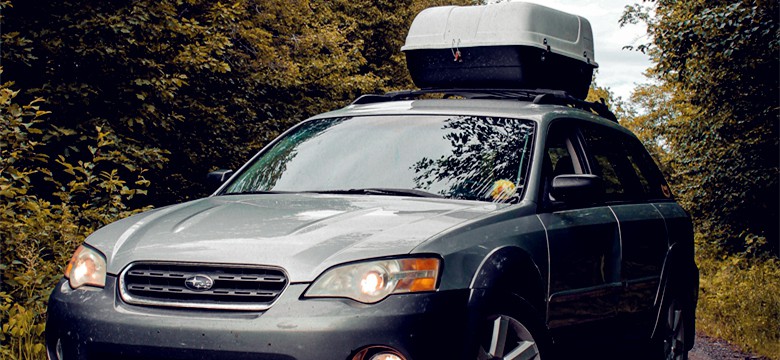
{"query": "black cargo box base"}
(507, 67)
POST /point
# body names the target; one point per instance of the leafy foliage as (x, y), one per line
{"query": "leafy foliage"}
(203, 84)
(191, 76)
(739, 299)
(710, 116)
(38, 234)
(616, 104)
(713, 111)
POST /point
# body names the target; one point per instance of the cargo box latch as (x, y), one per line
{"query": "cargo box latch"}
(546, 51)
(456, 54)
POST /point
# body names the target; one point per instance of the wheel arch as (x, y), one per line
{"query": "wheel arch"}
(511, 270)
(484, 303)
(680, 280)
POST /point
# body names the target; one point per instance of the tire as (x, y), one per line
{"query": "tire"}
(671, 342)
(505, 337)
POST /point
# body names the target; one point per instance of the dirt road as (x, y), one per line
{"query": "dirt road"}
(707, 348)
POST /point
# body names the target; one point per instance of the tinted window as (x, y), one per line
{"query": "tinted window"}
(628, 171)
(560, 158)
(650, 176)
(465, 157)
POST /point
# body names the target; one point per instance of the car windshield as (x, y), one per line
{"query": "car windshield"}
(462, 157)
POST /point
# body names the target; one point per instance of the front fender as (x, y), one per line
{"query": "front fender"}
(510, 269)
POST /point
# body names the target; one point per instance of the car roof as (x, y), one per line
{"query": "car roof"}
(509, 108)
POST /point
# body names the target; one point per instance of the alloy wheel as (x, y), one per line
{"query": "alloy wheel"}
(674, 341)
(507, 339)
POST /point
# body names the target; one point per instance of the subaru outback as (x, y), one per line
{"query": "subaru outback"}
(471, 219)
(491, 226)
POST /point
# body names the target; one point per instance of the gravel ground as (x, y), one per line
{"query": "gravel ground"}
(707, 348)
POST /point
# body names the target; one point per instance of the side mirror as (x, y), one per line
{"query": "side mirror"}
(216, 178)
(577, 189)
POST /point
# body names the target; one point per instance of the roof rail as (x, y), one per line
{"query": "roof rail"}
(537, 96)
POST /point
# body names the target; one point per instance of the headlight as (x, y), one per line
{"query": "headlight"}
(86, 267)
(370, 282)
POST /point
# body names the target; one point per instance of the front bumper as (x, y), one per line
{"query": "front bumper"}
(97, 324)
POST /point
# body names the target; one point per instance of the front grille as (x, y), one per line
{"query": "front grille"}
(232, 287)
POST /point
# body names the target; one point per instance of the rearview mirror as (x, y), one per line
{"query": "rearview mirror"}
(218, 177)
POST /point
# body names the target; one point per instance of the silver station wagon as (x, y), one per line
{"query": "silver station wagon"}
(443, 223)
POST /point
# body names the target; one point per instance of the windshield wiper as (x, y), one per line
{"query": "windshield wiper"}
(254, 192)
(366, 191)
(381, 191)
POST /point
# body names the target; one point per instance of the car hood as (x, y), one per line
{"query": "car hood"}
(301, 233)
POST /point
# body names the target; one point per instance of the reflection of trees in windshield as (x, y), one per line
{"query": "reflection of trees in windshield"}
(466, 157)
(266, 172)
(484, 151)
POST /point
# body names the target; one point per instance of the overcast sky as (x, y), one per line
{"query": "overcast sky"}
(620, 70)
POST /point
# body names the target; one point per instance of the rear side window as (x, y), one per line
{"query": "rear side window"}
(628, 171)
(650, 177)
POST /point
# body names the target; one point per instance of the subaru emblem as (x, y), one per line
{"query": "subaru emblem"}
(199, 283)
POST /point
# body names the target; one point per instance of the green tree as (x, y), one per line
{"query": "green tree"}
(616, 104)
(203, 83)
(713, 109)
(381, 27)
(38, 233)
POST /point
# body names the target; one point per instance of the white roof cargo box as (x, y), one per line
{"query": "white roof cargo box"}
(509, 23)
(500, 44)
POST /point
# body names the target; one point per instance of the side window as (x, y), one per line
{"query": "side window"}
(615, 160)
(613, 186)
(650, 176)
(560, 160)
(561, 156)
(560, 151)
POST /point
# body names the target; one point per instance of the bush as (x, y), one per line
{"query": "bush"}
(47, 208)
(739, 298)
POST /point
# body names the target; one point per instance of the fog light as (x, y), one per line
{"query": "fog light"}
(386, 356)
(378, 352)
